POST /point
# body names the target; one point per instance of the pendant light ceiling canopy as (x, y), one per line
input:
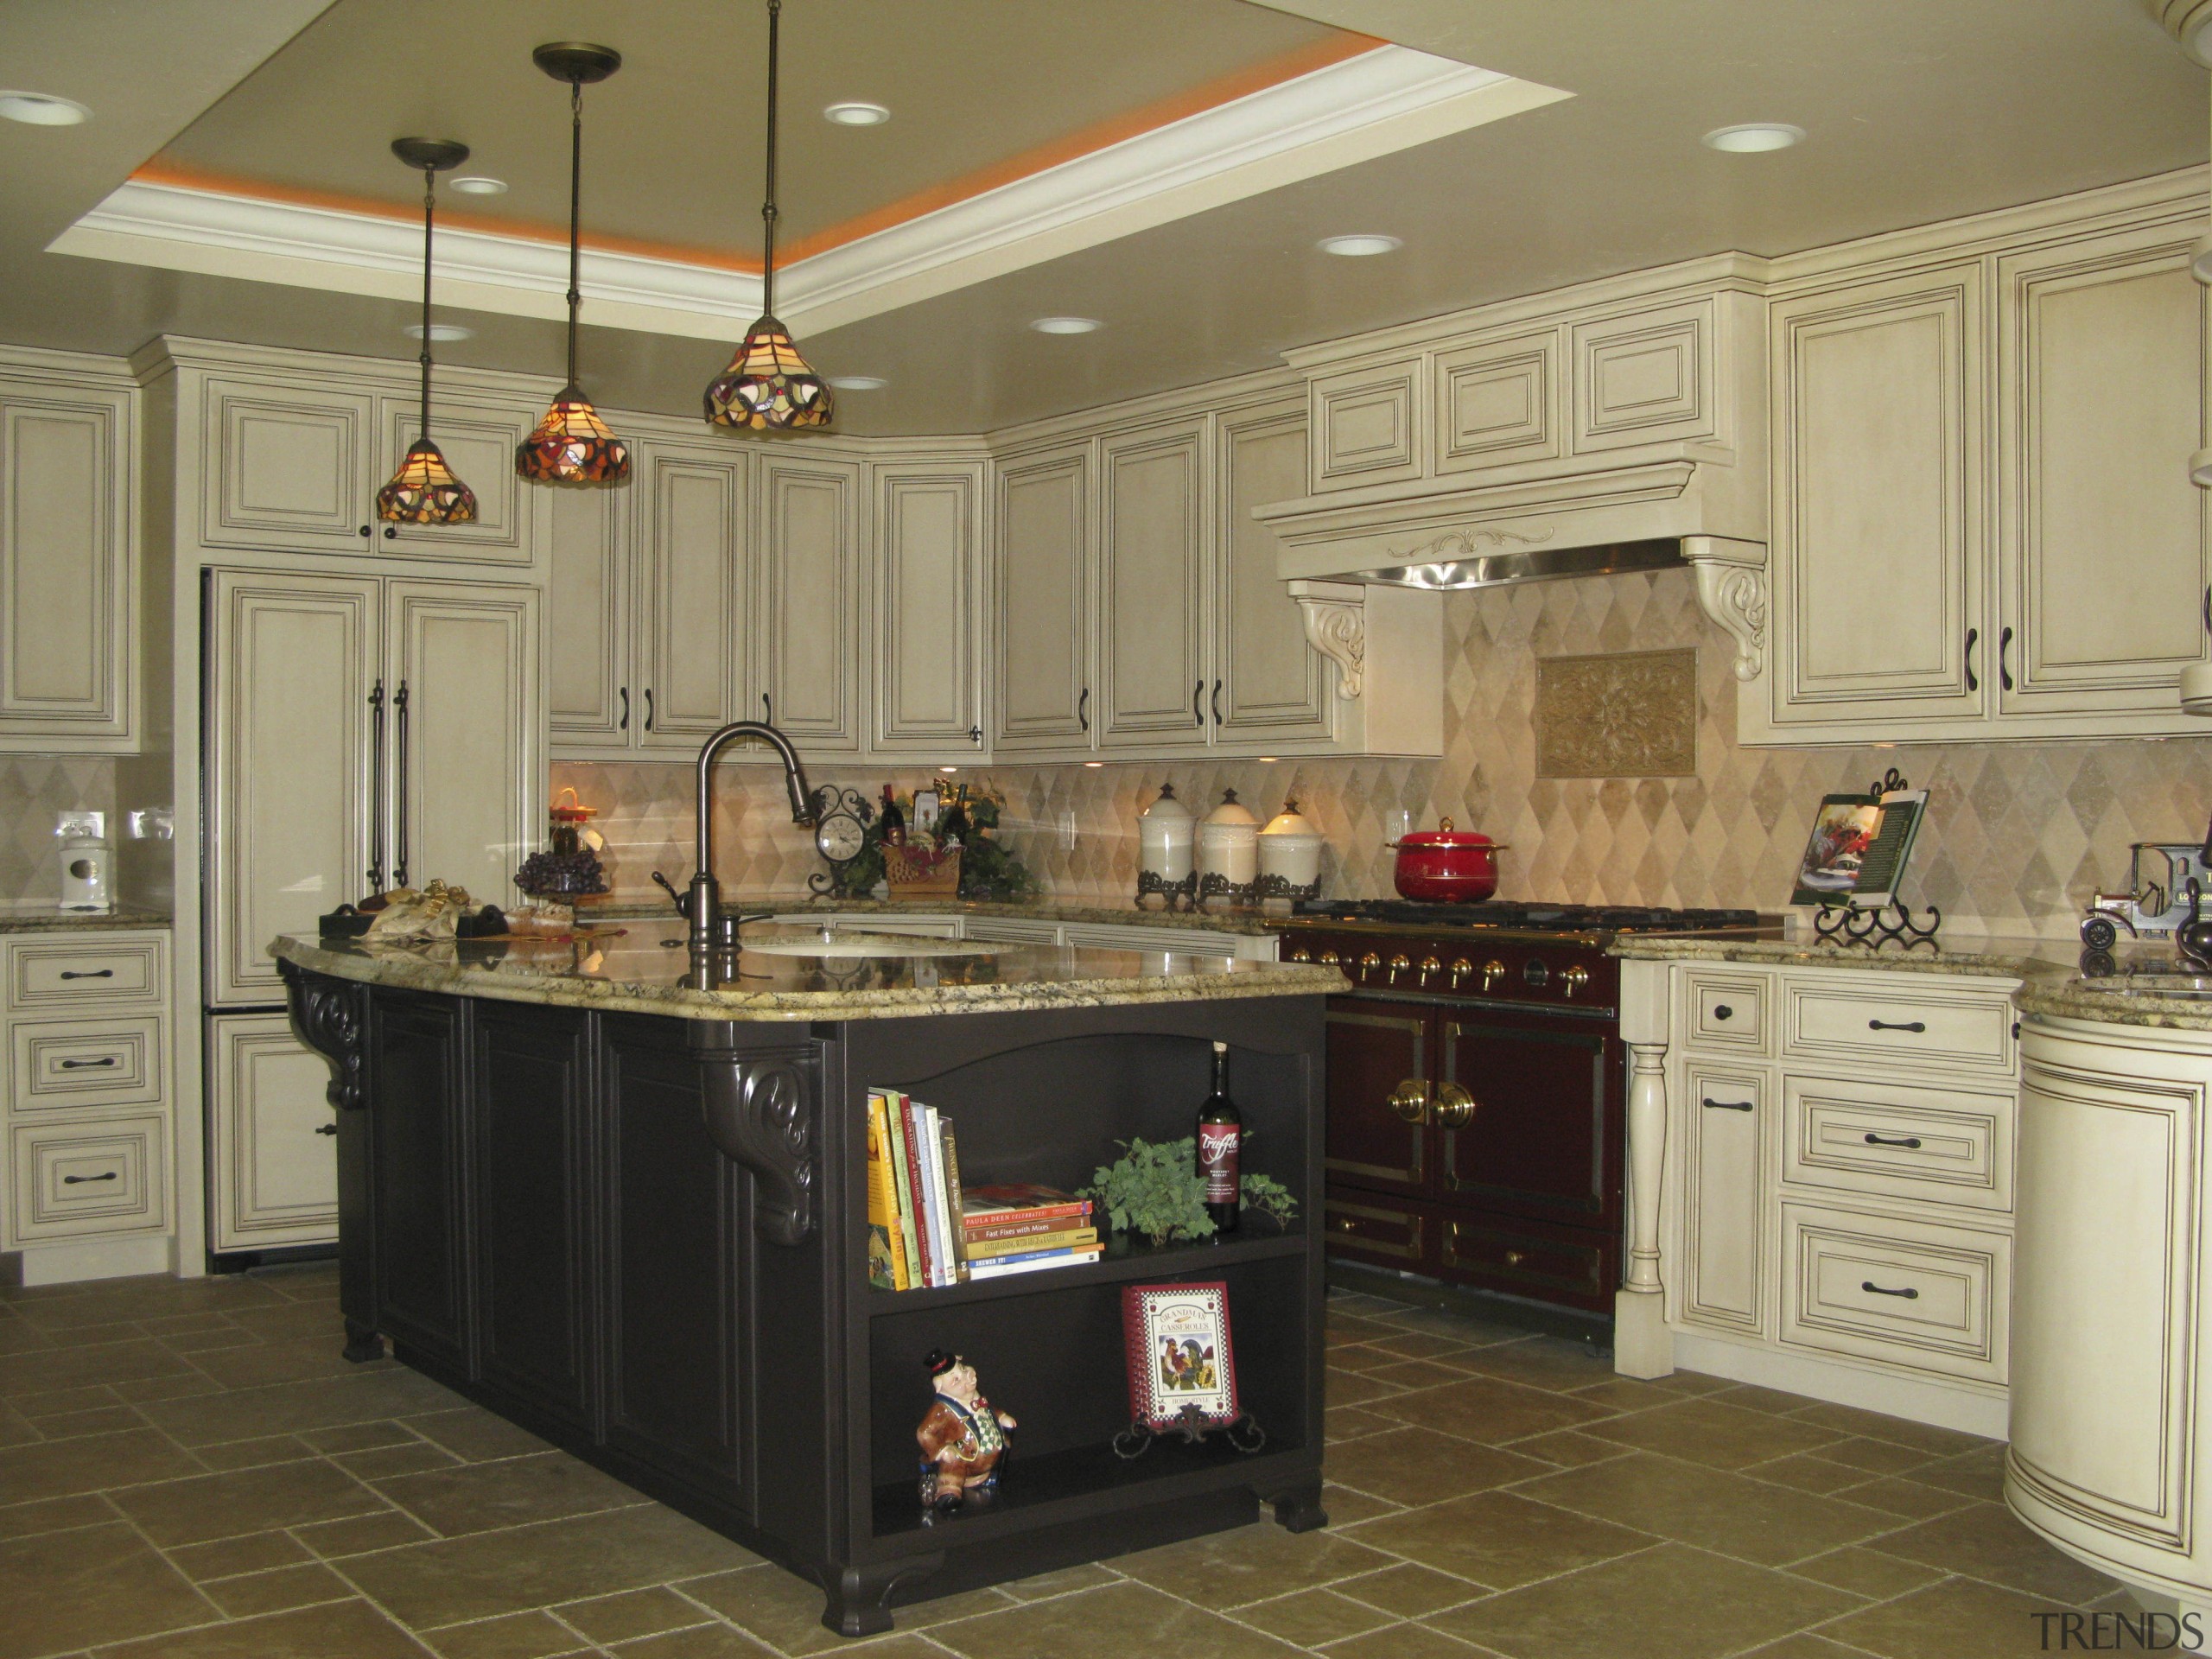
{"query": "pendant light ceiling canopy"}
(424, 491)
(768, 386)
(572, 444)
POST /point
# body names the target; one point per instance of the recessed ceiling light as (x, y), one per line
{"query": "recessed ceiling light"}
(1067, 325)
(857, 382)
(42, 110)
(1359, 247)
(477, 184)
(856, 115)
(440, 330)
(1753, 136)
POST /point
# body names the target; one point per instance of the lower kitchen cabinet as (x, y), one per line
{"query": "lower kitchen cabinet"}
(418, 1146)
(271, 1133)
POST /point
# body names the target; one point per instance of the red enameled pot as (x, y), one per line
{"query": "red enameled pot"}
(1446, 865)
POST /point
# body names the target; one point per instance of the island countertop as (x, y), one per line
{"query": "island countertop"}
(635, 972)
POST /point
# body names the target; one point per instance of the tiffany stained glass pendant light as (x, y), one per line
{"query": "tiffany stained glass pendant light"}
(424, 491)
(768, 386)
(571, 444)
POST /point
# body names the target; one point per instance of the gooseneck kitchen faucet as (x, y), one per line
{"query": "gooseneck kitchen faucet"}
(703, 905)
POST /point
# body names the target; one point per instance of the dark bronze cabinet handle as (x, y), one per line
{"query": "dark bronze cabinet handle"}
(78, 1180)
(626, 709)
(2004, 667)
(1729, 1105)
(649, 707)
(1973, 634)
(1198, 715)
(366, 533)
(1083, 707)
(1723, 1012)
(375, 787)
(89, 972)
(1890, 1025)
(391, 534)
(975, 735)
(1909, 1293)
(767, 709)
(399, 790)
(1910, 1143)
(1217, 703)
(327, 1129)
(88, 1065)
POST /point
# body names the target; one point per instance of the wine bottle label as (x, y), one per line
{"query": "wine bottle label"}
(1218, 1160)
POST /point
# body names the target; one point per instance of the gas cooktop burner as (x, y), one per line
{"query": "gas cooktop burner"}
(1527, 916)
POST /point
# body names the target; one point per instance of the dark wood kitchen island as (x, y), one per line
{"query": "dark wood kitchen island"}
(619, 1197)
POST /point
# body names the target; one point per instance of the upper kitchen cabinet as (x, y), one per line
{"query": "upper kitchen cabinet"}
(1268, 686)
(1153, 540)
(2104, 565)
(927, 616)
(1878, 525)
(290, 465)
(589, 609)
(806, 633)
(68, 589)
(692, 499)
(478, 437)
(1367, 425)
(1042, 600)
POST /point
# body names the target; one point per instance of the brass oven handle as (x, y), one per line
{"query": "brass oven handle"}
(1460, 968)
(1493, 970)
(1328, 959)
(1299, 953)
(1409, 1100)
(1369, 963)
(1399, 964)
(1428, 965)
(1575, 978)
(1453, 1108)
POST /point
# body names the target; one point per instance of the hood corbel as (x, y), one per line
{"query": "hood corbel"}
(1732, 589)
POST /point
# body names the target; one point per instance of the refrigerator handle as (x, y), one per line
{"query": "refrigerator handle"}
(376, 788)
(399, 790)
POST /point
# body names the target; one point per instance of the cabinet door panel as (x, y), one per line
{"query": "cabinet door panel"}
(1044, 602)
(466, 751)
(1544, 1140)
(1878, 524)
(419, 1150)
(589, 695)
(478, 440)
(1724, 1196)
(1275, 688)
(1367, 425)
(691, 561)
(806, 651)
(288, 467)
(2106, 558)
(66, 633)
(293, 660)
(1497, 402)
(927, 548)
(1374, 1046)
(1151, 558)
(271, 1154)
(1644, 378)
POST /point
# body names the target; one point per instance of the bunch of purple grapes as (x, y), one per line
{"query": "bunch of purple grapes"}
(554, 873)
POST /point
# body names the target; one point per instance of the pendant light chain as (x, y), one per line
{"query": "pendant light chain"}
(429, 212)
(575, 212)
(768, 206)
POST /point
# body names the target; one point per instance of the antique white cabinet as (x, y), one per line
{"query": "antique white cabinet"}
(805, 677)
(1152, 546)
(927, 616)
(68, 564)
(1042, 578)
(273, 1177)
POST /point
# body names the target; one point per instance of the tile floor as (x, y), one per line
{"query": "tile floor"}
(188, 1470)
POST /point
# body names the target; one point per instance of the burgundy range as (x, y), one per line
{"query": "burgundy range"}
(1478, 1087)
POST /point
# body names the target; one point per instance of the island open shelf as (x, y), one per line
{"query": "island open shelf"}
(645, 1237)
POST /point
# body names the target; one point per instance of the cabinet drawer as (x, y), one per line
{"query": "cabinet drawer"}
(1504, 1254)
(1726, 1011)
(1841, 1018)
(1937, 1144)
(106, 1177)
(52, 976)
(1368, 1232)
(1918, 1297)
(112, 1063)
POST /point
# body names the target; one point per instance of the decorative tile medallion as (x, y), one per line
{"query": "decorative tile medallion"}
(1631, 714)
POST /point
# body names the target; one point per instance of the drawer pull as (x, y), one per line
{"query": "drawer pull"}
(81, 1065)
(95, 973)
(1908, 1292)
(78, 1180)
(1730, 1105)
(1722, 1011)
(1344, 1223)
(327, 1129)
(1910, 1143)
(1890, 1024)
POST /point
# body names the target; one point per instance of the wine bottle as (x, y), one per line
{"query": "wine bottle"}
(893, 821)
(1221, 1133)
(952, 829)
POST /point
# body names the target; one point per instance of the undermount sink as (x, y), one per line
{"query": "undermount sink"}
(810, 942)
(2189, 985)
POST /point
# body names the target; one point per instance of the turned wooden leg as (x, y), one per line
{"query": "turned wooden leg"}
(362, 1344)
(1642, 1345)
(859, 1598)
(1299, 1508)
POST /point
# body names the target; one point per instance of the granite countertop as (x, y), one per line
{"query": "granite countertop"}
(1037, 910)
(1991, 956)
(45, 919)
(637, 973)
(2103, 1001)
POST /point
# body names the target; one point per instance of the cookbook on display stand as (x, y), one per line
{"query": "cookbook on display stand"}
(1859, 848)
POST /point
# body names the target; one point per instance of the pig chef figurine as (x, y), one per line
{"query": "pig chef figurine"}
(962, 1439)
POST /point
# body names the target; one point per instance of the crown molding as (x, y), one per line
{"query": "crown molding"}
(1379, 102)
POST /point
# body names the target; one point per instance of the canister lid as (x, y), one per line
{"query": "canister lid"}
(1231, 812)
(1166, 806)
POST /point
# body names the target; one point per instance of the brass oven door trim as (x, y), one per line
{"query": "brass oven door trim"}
(1592, 1042)
(1415, 1172)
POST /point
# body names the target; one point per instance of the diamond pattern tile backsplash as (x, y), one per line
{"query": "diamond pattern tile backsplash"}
(33, 789)
(2016, 836)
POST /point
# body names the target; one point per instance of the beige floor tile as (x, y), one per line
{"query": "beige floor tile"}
(92, 1365)
(1345, 1506)
(1925, 1438)
(1361, 1357)
(39, 1406)
(16, 1429)
(1487, 1409)
(1112, 1622)
(1955, 1620)
(155, 1296)
(1540, 1362)
(1415, 1373)
(476, 1436)
(67, 1590)
(785, 1611)
(447, 1580)
(194, 1344)
(534, 1635)
(1908, 1499)
(100, 1420)
(1350, 1422)
(1309, 1618)
(1875, 1457)
(255, 1551)
(276, 1591)
(702, 1642)
(1805, 1646)
(1454, 1326)
(335, 1540)
(343, 1630)
(52, 1515)
(1567, 1447)
(368, 1394)
(1979, 1473)
(1668, 1603)
(1346, 1328)
(254, 1454)
(1984, 1542)
(360, 1437)
(1693, 1383)
(1088, 1576)
(65, 1468)
(1416, 1344)
(1254, 1563)
(1406, 1641)
(1706, 1431)
(1410, 1590)
(1806, 1471)
(1418, 1466)
(1499, 1540)
(479, 1497)
(1711, 1509)
(287, 1319)
(1866, 1572)
(631, 1613)
(1624, 1394)
(245, 1500)
(1752, 1397)
(1356, 1388)
(291, 1359)
(385, 1462)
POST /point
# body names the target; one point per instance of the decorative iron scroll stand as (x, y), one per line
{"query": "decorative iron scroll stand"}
(1243, 1432)
(1847, 924)
(831, 798)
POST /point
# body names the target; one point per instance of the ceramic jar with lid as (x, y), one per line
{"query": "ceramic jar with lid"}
(1228, 845)
(1290, 850)
(1165, 834)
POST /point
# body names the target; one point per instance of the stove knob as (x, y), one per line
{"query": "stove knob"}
(1399, 964)
(1460, 968)
(1493, 970)
(1429, 965)
(1299, 953)
(1327, 958)
(1575, 978)
(1368, 963)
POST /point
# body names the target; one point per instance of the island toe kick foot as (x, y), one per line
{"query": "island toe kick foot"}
(362, 1344)
(860, 1597)
(1298, 1508)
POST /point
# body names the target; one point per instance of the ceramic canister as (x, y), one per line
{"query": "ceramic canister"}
(1227, 842)
(1290, 847)
(1165, 832)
